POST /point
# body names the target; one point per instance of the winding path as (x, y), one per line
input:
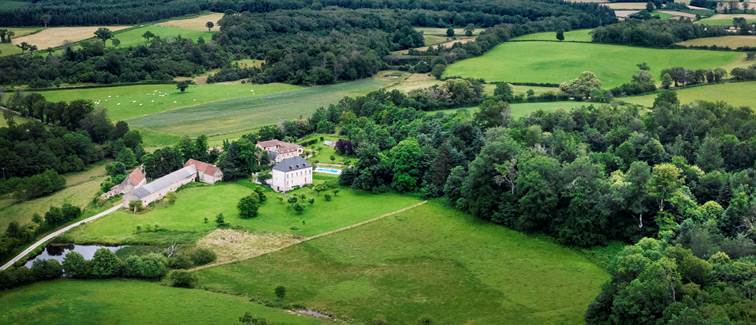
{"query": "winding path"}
(57, 233)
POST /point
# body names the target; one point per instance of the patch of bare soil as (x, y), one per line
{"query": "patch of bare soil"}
(196, 23)
(231, 245)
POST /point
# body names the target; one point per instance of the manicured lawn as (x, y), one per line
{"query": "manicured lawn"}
(323, 152)
(732, 42)
(133, 37)
(81, 188)
(554, 62)
(129, 302)
(184, 221)
(129, 102)
(737, 94)
(243, 114)
(430, 260)
(578, 35)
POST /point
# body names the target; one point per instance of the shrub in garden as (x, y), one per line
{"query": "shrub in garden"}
(180, 261)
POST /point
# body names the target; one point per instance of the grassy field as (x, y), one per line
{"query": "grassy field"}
(56, 36)
(128, 302)
(233, 117)
(129, 102)
(10, 48)
(524, 109)
(578, 35)
(80, 188)
(552, 62)
(732, 42)
(184, 221)
(737, 94)
(725, 19)
(133, 37)
(430, 260)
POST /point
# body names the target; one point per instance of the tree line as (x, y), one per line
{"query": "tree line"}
(653, 33)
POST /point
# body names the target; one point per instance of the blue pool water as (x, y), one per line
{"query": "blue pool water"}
(328, 171)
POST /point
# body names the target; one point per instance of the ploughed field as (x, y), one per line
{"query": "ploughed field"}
(556, 62)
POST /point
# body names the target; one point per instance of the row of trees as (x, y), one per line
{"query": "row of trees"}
(652, 33)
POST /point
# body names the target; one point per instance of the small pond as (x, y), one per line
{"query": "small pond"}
(59, 251)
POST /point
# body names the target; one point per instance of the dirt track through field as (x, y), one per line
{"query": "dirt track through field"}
(327, 233)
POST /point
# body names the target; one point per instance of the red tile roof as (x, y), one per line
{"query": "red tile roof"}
(203, 167)
(135, 177)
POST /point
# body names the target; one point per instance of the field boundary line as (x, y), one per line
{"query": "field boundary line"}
(321, 235)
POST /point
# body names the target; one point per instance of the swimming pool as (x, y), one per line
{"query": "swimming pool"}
(332, 171)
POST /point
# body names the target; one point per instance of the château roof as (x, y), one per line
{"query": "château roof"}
(291, 164)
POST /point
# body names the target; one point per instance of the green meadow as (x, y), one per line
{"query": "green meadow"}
(129, 302)
(130, 102)
(556, 62)
(184, 221)
(81, 188)
(734, 93)
(133, 36)
(233, 117)
(578, 35)
(429, 260)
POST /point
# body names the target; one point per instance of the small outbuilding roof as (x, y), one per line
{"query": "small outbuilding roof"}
(292, 164)
(280, 146)
(203, 167)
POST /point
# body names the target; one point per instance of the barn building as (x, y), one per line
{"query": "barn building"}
(206, 173)
(135, 179)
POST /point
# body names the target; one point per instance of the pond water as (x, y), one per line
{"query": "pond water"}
(59, 251)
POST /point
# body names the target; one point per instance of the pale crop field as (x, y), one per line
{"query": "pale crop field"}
(732, 42)
(56, 36)
(195, 23)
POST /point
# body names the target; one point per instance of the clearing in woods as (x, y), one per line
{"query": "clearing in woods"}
(195, 23)
(429, 260)
(56, 36)
(129, 302)
(556, 62)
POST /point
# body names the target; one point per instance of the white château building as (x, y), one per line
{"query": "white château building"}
(290, 173)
